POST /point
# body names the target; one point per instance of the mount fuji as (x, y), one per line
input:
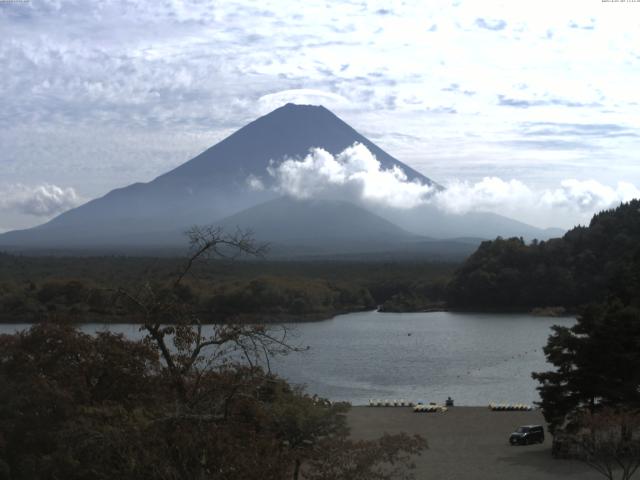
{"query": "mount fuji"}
(214, 188)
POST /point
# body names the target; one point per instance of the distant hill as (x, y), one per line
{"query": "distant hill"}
(316, 223)
(588, 264)
(213, 186)
(325, 228)
(433, 222)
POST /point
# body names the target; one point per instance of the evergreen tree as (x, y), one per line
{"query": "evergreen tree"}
(597, 364)
(588, 264)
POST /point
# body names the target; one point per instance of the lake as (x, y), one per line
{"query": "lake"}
(474, 358)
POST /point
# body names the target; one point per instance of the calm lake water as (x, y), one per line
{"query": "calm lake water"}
(474, 358)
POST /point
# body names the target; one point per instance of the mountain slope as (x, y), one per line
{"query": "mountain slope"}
(331, 228)
(289, 131)
(214, 185)
(313, 221)
(433, 222)
(207, 188)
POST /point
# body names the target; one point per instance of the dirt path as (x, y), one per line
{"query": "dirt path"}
(469, 443)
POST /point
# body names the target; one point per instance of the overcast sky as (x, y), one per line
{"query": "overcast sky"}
(506, 103)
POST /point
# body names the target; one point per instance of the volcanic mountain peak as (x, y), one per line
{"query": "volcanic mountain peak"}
(287, 132)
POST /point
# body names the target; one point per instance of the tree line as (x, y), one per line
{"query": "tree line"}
(591, 397)
(82, 289)
(588, 264)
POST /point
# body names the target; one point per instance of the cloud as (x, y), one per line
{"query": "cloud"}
(110, 93)
(514, 102)
(491, 24)
(491, 192)
(255, 183)
(582, 198)
(552, 144)
(354, 174)
(40, 201)
(453, 87)
(589, 195)
(610, 130)
(505, 101)
(589, 26)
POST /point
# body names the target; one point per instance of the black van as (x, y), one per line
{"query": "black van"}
(527, 434)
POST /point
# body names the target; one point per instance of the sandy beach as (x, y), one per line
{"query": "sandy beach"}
(469, 443)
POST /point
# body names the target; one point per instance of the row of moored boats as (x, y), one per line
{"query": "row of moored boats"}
(510, 407)
(420, 407)
(391, 403)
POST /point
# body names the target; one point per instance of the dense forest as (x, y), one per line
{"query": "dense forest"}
(589, 264)
(590, 398)
(180, 403)
(84, 288)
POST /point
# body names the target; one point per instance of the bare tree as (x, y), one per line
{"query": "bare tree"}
(188, 348)
(300, 428)
(610, 442)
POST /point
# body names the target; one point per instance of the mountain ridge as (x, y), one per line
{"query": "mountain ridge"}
(213, 186)
(314, 125)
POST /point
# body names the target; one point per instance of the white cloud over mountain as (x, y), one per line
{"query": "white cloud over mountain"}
(574, 199)
(355, 174)
(589, 195)
(39, 201)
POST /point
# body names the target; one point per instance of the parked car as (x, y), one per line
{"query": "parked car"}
(527, 435)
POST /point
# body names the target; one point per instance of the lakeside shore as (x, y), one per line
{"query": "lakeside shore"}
(279, 318)
(470, 443)
(268, 319)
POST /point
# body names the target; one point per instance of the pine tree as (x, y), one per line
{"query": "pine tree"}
(597, 364)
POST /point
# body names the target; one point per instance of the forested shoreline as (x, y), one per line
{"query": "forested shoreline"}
(589, 264)
(559, 276)
(84, 290)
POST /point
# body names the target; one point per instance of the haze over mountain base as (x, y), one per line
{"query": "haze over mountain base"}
(236, 184)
